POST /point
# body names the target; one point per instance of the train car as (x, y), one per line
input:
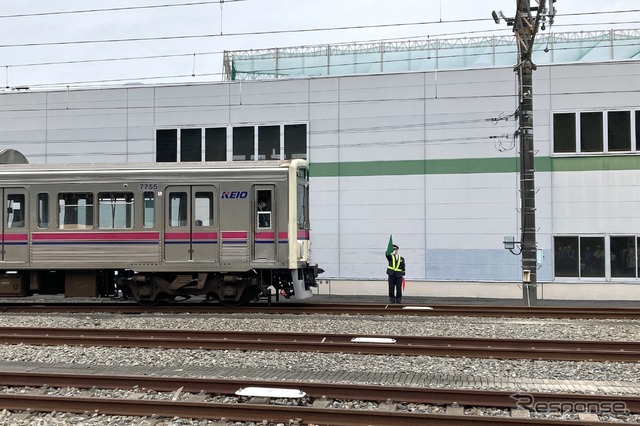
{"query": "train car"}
(234, 231)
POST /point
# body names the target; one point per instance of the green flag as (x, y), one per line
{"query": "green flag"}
(390, 245)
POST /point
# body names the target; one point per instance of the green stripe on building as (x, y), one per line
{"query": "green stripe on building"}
(473, 165)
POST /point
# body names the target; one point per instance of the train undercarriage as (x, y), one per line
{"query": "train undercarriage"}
(229, 288)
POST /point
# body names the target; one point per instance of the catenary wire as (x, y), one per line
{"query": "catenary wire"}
(285, 69)
(267, 32)
(119, 9)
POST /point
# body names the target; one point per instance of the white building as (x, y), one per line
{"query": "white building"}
(414, 140)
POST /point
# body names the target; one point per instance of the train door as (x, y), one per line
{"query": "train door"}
(265, 232)
(191, 232)
(15, 226)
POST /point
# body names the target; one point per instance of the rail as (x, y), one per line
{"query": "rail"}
(328, 343)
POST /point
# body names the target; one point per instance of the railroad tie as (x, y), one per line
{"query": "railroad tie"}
(322, 402)
(520, 414)
(387, 405)
(455, 410)
(588, 417)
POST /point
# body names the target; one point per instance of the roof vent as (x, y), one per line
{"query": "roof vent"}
(11, 156)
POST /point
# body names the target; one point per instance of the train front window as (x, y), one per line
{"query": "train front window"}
(302, 204)
(75, 210)
(115, 210)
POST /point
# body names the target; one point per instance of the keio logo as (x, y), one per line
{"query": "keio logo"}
(234, 194)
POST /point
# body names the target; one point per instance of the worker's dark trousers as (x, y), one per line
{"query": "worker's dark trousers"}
(395, 288)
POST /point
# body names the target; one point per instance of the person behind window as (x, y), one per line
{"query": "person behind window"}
(264, 213)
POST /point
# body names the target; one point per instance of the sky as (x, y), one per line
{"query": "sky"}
(43, 46)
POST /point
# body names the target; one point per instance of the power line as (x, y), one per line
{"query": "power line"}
(218, 52)
(281, 70)
(209, 2)
(267, 32)
(118, 9)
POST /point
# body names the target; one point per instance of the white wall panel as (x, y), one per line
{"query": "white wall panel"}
(450, 226)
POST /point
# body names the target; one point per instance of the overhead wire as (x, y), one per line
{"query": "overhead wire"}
(281, 70)
(118, 9)
(285, 31)
(194, 54)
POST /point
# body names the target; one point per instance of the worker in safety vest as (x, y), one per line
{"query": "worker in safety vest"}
(395, 271)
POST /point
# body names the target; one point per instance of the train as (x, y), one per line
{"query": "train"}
(235, 231)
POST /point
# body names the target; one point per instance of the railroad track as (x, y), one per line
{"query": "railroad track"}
(258, 413)
(333, 309)
(461, 397)
(328, 343)
(314, 410)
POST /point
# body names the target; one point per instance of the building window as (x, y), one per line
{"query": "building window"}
(637, 129)
(115, 210)
(191, 145)
(75, 211)
(592, 138)
(591, 132)
(215, 144)
(623, 257)
(166, 145)
(564, 132)
(295, 141)
(619, 130)
(566, 256)
(243, 143)
(592, 257)
(269, 143)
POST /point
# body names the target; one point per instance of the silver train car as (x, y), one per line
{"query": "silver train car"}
(234, 231)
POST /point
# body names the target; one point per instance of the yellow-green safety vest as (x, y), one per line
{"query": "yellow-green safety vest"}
(395, 264)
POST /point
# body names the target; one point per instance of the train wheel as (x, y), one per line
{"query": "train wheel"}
(247, 296)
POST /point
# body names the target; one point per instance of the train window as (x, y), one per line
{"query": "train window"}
(303, 173)
(115, 210)
(178, 208)
(302, 205)
(15, 211)
(148, 212)
(264, 209)
(43, 210)
(75, 210)
(204, 209)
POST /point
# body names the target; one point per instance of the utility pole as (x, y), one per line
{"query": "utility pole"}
(525, 27)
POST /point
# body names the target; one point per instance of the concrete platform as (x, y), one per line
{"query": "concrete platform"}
(469, 291)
